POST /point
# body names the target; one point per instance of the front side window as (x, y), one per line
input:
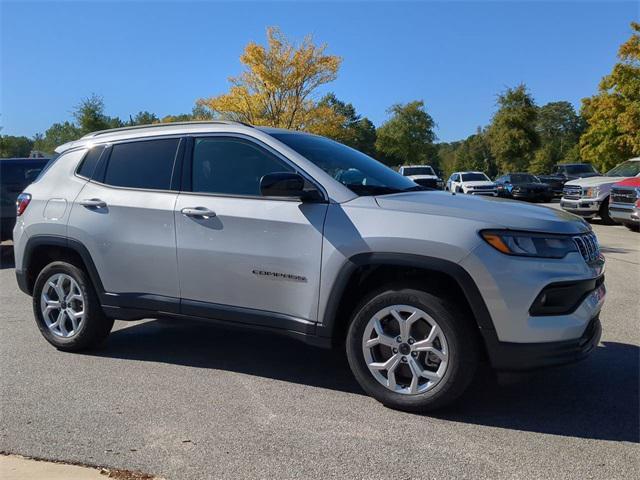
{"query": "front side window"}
(358, 172)
(146, 164)
(231, 166)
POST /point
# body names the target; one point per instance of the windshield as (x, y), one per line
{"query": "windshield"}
(625, 169)
(418, 171)
(360, 173)
(474, 177)
(524, 178)
(576, 169)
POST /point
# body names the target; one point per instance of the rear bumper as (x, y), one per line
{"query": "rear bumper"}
(506, 356)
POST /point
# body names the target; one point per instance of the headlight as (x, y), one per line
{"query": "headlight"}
(590, 192)
(528, 244)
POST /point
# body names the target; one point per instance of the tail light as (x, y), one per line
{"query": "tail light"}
(22, 203)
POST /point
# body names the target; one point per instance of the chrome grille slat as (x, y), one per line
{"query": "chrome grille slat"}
(587, 245)
(572, 191)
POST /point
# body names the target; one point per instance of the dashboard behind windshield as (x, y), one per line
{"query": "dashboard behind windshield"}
(360, 173)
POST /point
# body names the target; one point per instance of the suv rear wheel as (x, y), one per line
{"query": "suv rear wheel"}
(67, 309)
(411, 350)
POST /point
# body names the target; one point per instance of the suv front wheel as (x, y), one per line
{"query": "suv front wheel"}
(411, 350)
(67, 309)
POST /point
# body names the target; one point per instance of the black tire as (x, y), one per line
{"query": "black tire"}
(95, 327)
(461, 340)
(604, 213)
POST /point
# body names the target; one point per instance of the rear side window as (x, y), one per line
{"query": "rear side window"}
(147, 164)
(231, 166)
(88, 165)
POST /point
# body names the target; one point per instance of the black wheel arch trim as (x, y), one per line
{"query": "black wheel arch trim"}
(452, 269)
(57, 241)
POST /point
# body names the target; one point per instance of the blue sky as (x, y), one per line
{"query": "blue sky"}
(161, 56)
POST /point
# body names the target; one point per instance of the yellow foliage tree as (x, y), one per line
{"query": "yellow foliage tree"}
(277, 86)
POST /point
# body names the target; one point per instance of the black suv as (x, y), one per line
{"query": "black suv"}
(563, 172)
(15, 175)
(523, 186)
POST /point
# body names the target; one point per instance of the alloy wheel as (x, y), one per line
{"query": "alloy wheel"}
(62, 305)
(405, 349)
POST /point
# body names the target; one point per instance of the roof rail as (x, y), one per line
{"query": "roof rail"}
(167, 124)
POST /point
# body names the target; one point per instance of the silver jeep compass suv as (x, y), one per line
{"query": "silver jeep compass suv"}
(301, 235)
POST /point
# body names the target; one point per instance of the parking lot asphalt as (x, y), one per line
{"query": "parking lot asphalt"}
(195, 401)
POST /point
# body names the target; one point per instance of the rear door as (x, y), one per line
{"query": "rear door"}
(246, 253)
(124, 217)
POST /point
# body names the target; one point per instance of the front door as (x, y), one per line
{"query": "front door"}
(238, 251)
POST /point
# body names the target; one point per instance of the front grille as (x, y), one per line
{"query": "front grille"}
(588, 246)
(484, 187)
(623, 195)
(572, 192)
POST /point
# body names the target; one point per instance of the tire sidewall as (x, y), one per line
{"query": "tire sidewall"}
(460, 366)
(91, 307)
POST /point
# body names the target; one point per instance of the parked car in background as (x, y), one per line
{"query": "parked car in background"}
(15, 175)
(474, 183)
(523, 186)
(624, 203)
(564, 172)
(589, 197)
(261, 227)
(423, 175)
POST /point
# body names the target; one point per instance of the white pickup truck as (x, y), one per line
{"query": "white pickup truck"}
(589, 197)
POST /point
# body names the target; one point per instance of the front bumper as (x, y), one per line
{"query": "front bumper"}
(492, 193)
(583, 207)
(624, 214)
(505, 356)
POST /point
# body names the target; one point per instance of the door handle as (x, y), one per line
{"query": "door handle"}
(93, 203)
(198, 212)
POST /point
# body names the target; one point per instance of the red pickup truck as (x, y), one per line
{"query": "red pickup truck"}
(624, 204)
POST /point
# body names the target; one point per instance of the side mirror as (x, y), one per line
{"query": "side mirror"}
(287, 184)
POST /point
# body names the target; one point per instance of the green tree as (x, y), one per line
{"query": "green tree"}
(475, 154)
(143, 118)
(446, 154)
(56, 135)
(512, 133)
(408, 136)
(559, 128)
(356, 131)
(12, 147)
(90, 117)
(613, 114)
